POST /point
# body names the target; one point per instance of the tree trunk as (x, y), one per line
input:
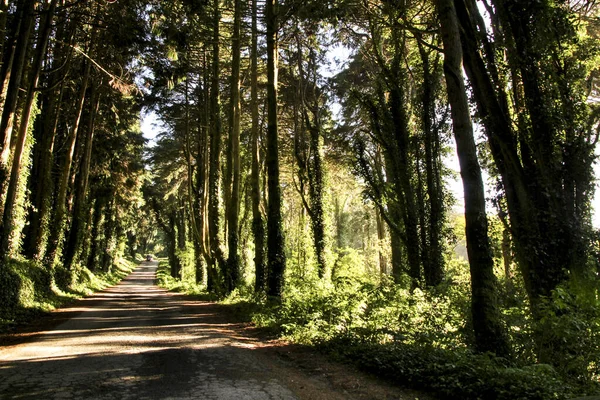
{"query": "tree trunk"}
(380, 240)
(400, 168)
(110, 227)
(315, 170)
(3, 21)
(9, 50)
(233, 210)
(79, 207)
(171, 234)
(15, 72)
(99, 211)
(487, 324)
(59, 217)
(275, 241)
(42, 188)
(434, 268)
(11, 193)
(216, 259)
(258, 228)
(180, 220)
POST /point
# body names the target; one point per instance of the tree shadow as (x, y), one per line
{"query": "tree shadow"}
(135, 340)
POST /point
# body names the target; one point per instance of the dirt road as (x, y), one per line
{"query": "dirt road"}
(137, 341)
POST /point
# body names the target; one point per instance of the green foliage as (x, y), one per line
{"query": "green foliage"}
(315, 311)
(454, 374)
(29, 289)
(570, 325)
(22, 202)
(422, 339)
(186, 285)
(186, 258)
(10, 282)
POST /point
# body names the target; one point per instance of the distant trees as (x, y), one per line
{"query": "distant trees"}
(399, 156)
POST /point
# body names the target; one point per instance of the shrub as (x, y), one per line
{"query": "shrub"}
(454, 374)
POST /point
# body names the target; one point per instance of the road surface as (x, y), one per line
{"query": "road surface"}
(137, 341)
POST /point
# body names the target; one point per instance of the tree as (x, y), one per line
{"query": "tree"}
(276, 259)
(258, 229)
(489, 335)
(11, 193)
(216, 260)
(233, 261)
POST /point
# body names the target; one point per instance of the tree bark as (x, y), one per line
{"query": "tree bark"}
(434, 267)
(487, 324)
(99, 211)
(233, 210)
(36, 236)
(78, 221)
(275, 241)
(216, 260)
(315, 170)
(258, 228)
(15, 74)
(11, 193)
(60, 208)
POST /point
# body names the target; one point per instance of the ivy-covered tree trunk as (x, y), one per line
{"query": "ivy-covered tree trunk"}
(60, 203)
(434, 267)
(487, 324)
(97, 225)
(233, 210)
(37, 234)
(77, 227)
(202, 161)
(14, 75)
(315, 166)
(3, 21)
(380, 226)
(399, 162)
(171, 234)
(180, 224)
(110, 235)
(275, 242)
(216, 259)
(258, 229)
(34, 74)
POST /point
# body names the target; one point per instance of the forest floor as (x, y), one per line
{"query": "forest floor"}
(137, 341)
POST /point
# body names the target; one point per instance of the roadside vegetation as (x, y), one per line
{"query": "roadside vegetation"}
(421, 339)
(31, 292)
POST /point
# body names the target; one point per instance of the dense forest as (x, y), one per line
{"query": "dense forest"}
(300, 169)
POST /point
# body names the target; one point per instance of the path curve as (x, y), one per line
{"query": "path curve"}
(137, 341)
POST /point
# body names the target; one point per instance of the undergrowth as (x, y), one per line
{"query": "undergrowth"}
(422, 339)
(30, 290)
(187, 286)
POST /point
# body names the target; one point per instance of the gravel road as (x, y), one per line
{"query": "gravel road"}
(137, 341)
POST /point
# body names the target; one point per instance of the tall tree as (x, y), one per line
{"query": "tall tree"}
(13, 75)
(36, 68)
(308, 150)
(216, 261)
(276, 259)
(233, 210)
(257, 218)
(487, 324)
(81, 197)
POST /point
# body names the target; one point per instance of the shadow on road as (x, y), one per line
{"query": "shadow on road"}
(136, 340)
